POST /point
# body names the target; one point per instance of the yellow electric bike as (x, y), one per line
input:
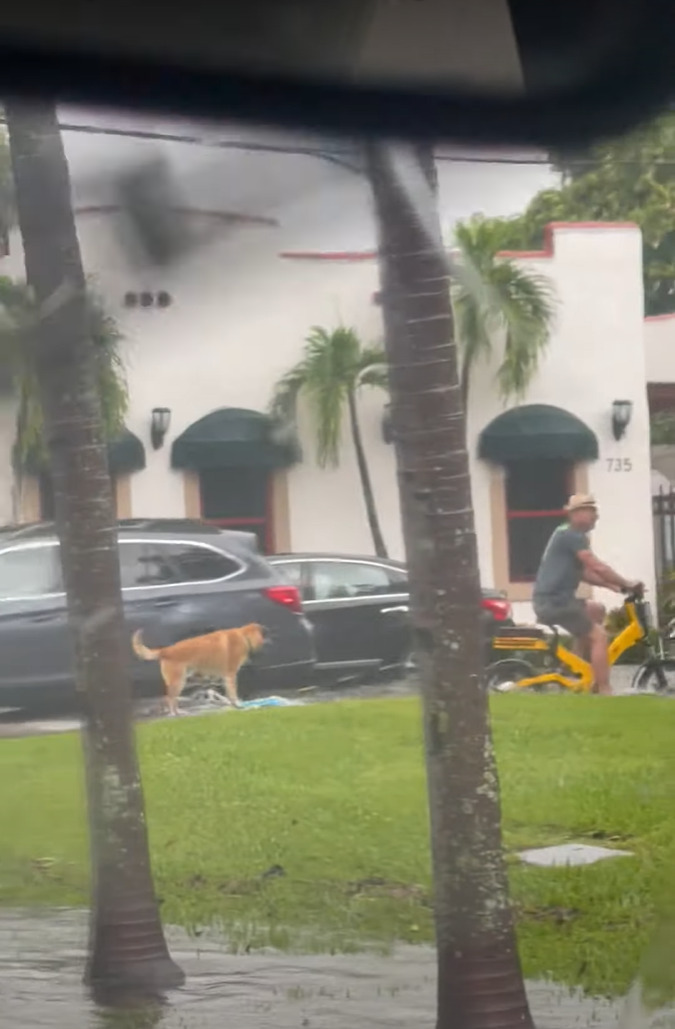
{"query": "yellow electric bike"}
(542, 661)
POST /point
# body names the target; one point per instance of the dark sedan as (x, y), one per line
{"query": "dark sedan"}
(359, 609)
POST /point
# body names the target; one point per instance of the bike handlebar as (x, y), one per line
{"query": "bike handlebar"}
(634, 592)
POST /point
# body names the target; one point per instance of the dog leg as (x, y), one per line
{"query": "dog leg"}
(230, 682)
(174, 680)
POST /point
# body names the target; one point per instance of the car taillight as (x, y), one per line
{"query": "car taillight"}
(287, 596)
(499, 609)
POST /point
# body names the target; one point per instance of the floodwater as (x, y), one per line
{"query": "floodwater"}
(42, 957)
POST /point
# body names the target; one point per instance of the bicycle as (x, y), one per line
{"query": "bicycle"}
(563, 668)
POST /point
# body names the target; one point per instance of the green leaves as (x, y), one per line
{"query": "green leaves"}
(494, 299)
(17, 319)
(334, 364)
(630, 179)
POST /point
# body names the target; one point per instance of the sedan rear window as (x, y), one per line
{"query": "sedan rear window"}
(337, 580)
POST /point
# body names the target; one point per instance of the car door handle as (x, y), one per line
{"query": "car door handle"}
(167, 602)
(400, 609)
(44, 618)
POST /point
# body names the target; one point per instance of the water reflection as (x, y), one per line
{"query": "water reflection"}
(41, 961)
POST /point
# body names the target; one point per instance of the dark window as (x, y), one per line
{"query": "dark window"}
(199, 564)
(290, 573)
(30, 572)
(237, 498)
(335, 580)
(536, 494)
(169, 564)
(398, 578)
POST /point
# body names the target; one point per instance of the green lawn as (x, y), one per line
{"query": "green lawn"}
(330, 801)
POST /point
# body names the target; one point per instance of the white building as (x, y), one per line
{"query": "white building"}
(291, 246)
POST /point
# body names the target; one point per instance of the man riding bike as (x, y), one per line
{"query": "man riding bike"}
(567, 561)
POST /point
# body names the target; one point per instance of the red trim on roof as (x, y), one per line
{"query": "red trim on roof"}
(330, 255)
(552, 228)
(659, 317)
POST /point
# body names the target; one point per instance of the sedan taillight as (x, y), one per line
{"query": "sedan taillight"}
(287, 596)
(499, 609)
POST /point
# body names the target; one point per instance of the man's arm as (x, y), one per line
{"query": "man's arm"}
(597, 573)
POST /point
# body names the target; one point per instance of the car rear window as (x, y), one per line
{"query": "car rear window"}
(155, 563)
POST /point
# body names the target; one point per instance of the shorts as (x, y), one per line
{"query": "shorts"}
(571, 615)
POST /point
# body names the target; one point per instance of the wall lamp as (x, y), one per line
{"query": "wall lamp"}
(159, 425)
(622, 412)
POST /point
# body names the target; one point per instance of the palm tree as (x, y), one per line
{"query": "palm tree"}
(480, 983)
(18, 318)
(493, 297)
(127, 949)
(7, 208)
(334, 366)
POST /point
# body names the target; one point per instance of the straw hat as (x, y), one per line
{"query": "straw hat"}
(580, 501)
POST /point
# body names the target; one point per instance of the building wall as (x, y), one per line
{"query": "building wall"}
(594, 357)
(659, 341)
(239, 317)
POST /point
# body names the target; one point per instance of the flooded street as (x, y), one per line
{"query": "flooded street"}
(42, 957)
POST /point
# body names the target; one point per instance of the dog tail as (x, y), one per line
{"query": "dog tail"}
(141, 650)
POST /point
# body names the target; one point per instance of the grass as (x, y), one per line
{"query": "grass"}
(306, 828)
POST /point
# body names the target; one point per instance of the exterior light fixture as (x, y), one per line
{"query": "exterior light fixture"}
(159, 425)
(622, 412)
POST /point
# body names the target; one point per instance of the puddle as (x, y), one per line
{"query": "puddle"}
(41, 961)
(569, 854)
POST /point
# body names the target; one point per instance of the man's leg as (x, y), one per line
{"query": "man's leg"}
(581, 645)
(600, 659)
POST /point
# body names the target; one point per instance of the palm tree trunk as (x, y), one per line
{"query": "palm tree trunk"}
(464, 379)
(480, 983)
(127, 947)
(364, 475)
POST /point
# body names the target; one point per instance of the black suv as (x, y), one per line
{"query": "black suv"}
(179, 579)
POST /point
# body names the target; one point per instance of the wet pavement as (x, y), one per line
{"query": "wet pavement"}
(13, 725)
(42, 957)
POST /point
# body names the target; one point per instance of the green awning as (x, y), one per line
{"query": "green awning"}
(536, 431)
(126, 453)
(234, 436)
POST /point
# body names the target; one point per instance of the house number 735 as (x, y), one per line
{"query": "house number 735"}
(619, 464)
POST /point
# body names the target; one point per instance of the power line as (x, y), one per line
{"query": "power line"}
(341, 155)
(337, 153)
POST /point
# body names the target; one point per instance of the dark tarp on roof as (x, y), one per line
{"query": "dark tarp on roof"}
(537, 431)
(234, 436)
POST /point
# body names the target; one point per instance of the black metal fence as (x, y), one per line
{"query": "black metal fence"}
(663, 509)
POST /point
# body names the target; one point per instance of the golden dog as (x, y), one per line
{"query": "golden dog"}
(219, 653)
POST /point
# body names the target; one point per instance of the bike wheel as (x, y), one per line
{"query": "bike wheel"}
(655, 677)
(498, 675)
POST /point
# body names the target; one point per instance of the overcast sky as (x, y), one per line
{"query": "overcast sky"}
(253, 183)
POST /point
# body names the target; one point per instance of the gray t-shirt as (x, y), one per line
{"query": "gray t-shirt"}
(560, 570)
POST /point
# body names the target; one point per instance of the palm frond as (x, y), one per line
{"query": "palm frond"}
(334, 363)
(373, 366)
(493, 296)
(17, 322)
